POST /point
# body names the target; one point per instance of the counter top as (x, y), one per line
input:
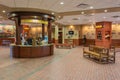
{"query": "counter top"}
(30, 45)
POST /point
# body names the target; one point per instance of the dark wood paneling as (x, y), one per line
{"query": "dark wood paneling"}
(90, 42)
(45, 50)
(115, 42)
(35, 51)
(15, 51)
(80, 42)
(31, 51)
(75, 42)
(25, 52)
(51, 49)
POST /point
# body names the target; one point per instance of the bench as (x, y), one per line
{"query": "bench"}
(100, 54)
(66, 46)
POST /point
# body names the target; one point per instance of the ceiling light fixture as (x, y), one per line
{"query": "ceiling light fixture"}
(105, 10)
(53, 13)
(91, 7)
(3, 11)
(61, 3)
(35, 16)
(59, 16)
(46, 16)
(82, 12)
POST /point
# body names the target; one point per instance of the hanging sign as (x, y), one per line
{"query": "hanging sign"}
(34, 21)
(99, 26)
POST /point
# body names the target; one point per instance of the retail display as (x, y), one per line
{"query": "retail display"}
(103, 34)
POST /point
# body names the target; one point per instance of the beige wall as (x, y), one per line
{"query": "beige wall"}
(89, 31)
(76, 30)
(56, 32)
(116, 31)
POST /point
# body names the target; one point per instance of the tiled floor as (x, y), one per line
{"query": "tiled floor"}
(65, 64)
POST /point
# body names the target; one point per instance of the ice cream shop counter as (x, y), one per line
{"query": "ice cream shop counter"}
(29, 51)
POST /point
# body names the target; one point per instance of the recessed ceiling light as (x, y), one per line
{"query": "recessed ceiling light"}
(82, 12)
(53, 13)
(105, 10)
(91, 7)
(35, 16)
(3, 11)
(61, 2)
(52, 18)
(46, 16)
(12, 18)
(104, 17)
(13, 14)
(59, 16)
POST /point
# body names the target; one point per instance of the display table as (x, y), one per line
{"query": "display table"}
(29, 51)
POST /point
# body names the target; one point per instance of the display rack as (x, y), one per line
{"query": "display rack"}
(103, 34)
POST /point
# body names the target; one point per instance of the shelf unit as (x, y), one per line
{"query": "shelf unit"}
(103, 34)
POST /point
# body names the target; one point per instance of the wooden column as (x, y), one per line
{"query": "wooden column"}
(49, 31)
(43, 31)
(18, 30)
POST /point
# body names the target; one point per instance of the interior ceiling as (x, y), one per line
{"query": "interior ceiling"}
(69, 8)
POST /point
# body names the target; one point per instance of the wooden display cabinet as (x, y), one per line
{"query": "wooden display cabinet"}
(103, 34)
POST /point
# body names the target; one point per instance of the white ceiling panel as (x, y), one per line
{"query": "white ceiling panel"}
(21, 3)
(83, 19)
(97, 4)
(9, 3)
(59, 8)
(47, 4)
(69, 5)
(35, 3)
(54, 5)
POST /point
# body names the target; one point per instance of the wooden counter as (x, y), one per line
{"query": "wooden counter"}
(29, 51)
